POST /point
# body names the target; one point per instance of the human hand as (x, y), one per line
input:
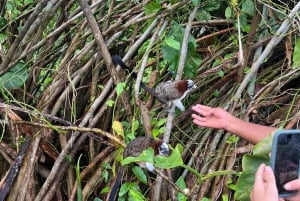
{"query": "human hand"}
(293, 185)
(210, 117)
(264, 185)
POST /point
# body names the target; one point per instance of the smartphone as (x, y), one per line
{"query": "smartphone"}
(285, 158)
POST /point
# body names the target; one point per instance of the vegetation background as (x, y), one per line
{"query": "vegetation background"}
(68, 112)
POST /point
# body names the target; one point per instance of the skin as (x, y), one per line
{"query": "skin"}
(218, 118)
(264, 185)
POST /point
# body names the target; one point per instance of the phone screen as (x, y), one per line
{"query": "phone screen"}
(286, 157)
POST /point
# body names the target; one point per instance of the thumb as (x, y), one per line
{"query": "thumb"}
(269, 179)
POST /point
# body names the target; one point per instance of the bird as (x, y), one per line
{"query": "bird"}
(168, 93)
(134, 149)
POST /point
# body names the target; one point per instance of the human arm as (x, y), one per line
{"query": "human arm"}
(218, 118)
(264, 185)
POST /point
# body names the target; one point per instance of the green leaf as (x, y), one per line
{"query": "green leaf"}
(205, 199)
(146, 156)
(140, 174)
(15, 77)
(136, 195)
(203, 14)
(3, 21)
(248, 7)
(135, 125)
(152, 7)
(171, 51)
(243, 191)
(181, 184)
(250, 164)
(247, 69)
(216, 93)
(97, 199)
(221, 73)
(174, 160)
(228, 12)
(161, 122)
(195, 2)
(120, 88)
(104, 190)
(244, 23)
(110, 103)
(125, 189)
(171, 42)
(105, 175)
(212, 5)
(78, 179)
(296, 54)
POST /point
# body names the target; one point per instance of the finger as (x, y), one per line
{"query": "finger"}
(293, 185)
(269, 179)
(259, 182)
(198, 117)
(199, 107)
(201, 111)
(200, 123)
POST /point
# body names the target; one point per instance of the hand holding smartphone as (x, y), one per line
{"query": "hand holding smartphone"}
(285, 159)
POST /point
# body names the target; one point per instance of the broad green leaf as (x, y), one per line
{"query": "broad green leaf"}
(171, 51)
(146, 156)
(15, 77)
(140, 174)
(250, 162)
(243, 191)
(248, 7)
(174, 160)
(228, 12)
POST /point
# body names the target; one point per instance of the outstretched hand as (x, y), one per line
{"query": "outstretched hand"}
(210, 117)
(218, 118)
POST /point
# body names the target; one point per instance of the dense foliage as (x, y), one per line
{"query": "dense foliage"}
(68, 112)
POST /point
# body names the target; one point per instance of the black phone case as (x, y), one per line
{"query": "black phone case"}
(274, 156)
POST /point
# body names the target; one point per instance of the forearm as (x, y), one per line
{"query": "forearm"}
(251, 132)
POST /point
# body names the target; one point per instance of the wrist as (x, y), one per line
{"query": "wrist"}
(231, 123)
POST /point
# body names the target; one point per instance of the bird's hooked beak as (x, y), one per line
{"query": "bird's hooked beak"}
(164, 149)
